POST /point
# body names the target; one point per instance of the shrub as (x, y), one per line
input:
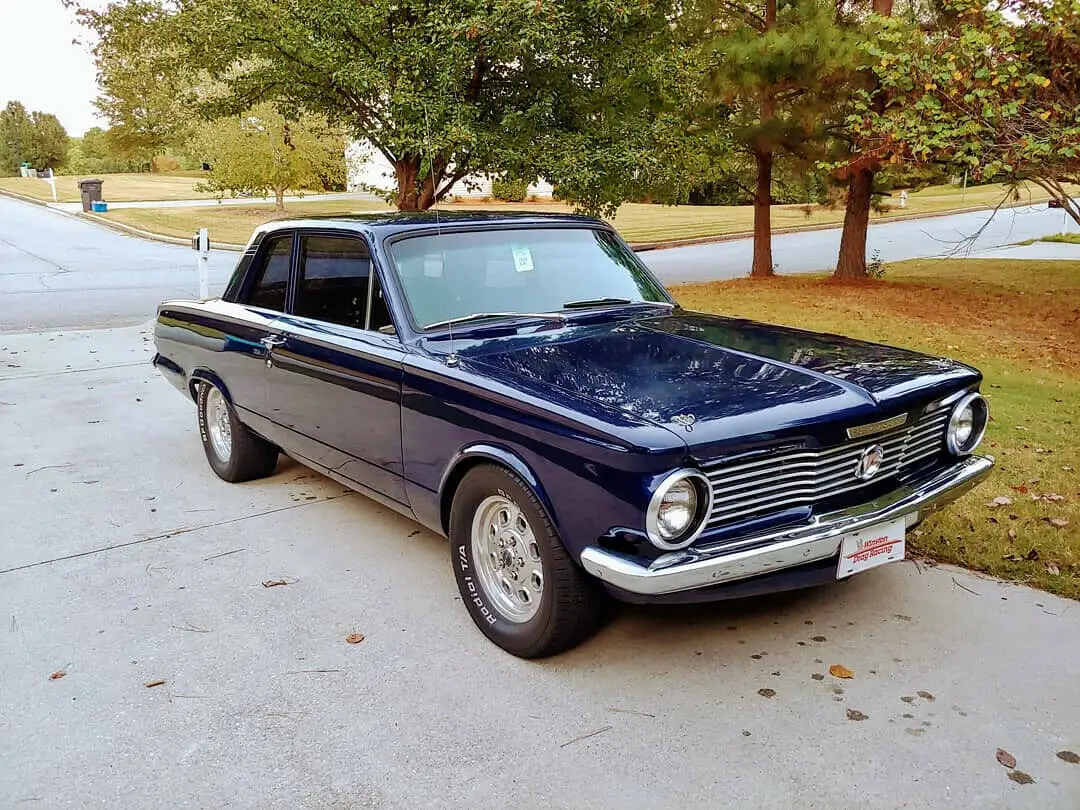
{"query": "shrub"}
(509, 190)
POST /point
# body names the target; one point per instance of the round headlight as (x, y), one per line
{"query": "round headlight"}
(967, 424)
(678, 510)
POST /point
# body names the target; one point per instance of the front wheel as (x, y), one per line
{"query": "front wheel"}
(518, 583)
(234, 452)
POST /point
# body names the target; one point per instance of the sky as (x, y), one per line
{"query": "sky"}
(40, 66)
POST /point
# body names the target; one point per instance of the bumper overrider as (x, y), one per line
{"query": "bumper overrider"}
(706, 566)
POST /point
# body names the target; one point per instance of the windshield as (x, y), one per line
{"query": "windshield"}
(519, 270)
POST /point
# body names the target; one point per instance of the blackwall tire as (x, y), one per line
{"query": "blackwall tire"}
(234, 452)
(520, 586)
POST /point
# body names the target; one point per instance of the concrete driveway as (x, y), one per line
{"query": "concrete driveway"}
(124, 562)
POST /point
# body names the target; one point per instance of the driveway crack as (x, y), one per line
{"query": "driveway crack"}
(171, 533)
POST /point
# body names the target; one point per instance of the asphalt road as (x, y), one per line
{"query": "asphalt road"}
(815, 251)
(59, 271)
(125, 562)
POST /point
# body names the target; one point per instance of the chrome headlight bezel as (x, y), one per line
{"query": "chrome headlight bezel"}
(980, 413)
(696, 526)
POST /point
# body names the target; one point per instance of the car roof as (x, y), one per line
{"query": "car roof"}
(382, 225)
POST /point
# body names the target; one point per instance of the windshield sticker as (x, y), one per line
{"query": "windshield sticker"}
(433, 266)
(523, 262)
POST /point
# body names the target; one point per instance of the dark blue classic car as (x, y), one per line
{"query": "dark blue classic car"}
(525, 386)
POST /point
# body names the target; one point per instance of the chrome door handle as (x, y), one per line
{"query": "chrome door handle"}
(270, 341)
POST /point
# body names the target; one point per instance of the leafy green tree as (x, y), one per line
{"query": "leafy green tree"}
(96, 153)
(996, 95)
(50, 142)
(145, 84)
(263, 152)
(16, 137)
(36, 138)
(441, 88)
(782, 70)
(860, 170)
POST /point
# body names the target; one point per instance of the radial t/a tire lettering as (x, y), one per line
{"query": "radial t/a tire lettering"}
(520, 586)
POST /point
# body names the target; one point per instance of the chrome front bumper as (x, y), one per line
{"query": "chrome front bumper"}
(767, 553)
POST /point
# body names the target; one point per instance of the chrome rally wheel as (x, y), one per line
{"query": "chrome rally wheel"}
(218, 425)
(508, 562)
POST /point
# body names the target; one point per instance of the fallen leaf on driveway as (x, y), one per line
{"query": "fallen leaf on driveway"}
(1021, 778)
(1069, 756)
(767, 692)
(57, 675)
(355, 638)
(1000, 500)
(840, 671)
(853, 714)
(1005, 758)
(152, 684)
(273, 583)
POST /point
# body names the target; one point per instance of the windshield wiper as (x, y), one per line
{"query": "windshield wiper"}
(612, 302)
(484, 316)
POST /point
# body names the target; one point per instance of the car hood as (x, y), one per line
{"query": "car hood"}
(714, 379)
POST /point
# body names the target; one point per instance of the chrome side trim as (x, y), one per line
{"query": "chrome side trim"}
(775, 551)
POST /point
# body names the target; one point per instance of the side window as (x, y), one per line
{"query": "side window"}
(380, 312)
(335, 273)
(272, 279)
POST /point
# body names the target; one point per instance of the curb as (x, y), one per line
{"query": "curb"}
(641, 247)
(23, 198)
(638, 247)
(150, 235)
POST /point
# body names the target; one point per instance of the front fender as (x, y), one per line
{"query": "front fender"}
(481, 452)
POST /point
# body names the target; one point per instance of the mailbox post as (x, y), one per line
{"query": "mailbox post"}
(201, 243)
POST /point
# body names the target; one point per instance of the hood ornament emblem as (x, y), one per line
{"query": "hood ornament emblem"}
(870, 462)
(685, 420)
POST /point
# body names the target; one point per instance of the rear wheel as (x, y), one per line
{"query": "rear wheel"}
(518, 583)
(234, 452)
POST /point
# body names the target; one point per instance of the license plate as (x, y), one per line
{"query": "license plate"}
(871, 547)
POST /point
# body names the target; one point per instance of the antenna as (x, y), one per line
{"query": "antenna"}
(452, 358)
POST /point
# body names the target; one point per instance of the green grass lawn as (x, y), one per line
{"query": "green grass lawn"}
(117, 187)
(1068, 238)
(637, 223)
(1017, 321)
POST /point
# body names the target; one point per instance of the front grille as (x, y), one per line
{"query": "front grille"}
(745, 489)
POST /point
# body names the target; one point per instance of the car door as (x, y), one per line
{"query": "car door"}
(334, 380)
(250, 316)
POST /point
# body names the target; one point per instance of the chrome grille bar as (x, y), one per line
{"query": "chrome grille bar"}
(798, 477)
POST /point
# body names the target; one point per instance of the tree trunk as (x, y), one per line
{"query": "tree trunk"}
(763, 264)
(852, 261)
(406, 170)
(279, 199)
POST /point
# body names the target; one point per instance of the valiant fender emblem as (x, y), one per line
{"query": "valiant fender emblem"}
(870, 462)
(686, 420)
(861, 431)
